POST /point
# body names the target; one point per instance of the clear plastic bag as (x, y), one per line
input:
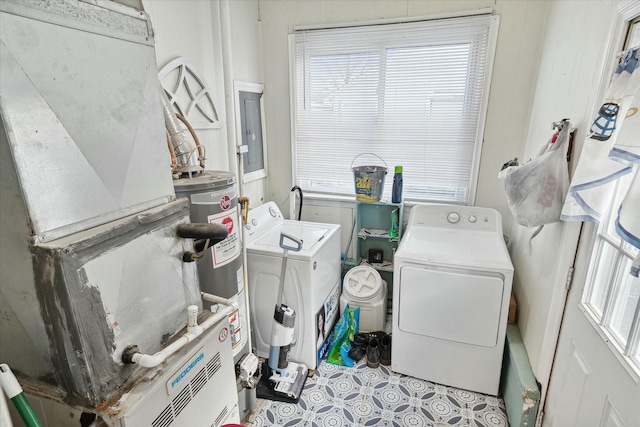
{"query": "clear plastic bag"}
(536, 190)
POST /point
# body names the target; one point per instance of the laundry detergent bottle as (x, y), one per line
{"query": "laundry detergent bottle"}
(396, 193)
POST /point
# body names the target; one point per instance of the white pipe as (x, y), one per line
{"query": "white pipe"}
(153, 360)
(215, 298)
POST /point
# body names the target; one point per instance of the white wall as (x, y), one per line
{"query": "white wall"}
(191, 29)
(519, 41)
(242, 56)
(570, 71)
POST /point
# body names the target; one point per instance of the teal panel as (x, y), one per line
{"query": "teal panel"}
(519, 387)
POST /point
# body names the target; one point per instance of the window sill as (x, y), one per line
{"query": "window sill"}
(337, 200)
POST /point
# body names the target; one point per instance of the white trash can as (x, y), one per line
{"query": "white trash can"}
(363, 287)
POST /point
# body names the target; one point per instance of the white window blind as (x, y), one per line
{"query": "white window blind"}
(414, 94)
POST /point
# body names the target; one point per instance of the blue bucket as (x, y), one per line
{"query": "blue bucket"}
(369, 180)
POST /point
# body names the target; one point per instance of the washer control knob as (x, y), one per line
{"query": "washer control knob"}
(472, 219)
(272, 211)
(453, 217)
(254, 222)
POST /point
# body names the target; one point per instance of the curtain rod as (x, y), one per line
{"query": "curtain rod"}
(406, 19)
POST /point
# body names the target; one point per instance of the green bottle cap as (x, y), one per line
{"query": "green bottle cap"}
(398, 169)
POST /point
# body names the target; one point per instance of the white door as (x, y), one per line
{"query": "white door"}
(595, 379)
(596, 375)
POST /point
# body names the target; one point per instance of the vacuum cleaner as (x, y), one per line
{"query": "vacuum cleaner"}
(285, 379)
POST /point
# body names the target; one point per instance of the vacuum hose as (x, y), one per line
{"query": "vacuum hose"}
(297, 188)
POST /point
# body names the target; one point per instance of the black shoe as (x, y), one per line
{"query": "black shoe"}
(385, 350)
(361, 339)
(356, 352)
(358, 347)
(373, 353)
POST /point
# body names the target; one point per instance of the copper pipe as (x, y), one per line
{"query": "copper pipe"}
(195, 138)
(174, 160)
(244, 203)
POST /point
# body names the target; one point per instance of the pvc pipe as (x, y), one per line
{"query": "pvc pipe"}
(13, 390)
(215, 298)
(153, 360)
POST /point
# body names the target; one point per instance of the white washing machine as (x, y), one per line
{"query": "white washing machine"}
(451, 287)
(312, 281)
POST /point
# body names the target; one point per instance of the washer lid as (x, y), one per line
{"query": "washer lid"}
(362, 283)
(312, 236)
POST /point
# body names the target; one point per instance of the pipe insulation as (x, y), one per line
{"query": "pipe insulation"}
(212, 231)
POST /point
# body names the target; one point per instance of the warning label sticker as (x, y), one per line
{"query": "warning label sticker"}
(227, 250)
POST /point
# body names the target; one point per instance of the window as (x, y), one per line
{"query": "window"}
(612, 296)
(412, 93)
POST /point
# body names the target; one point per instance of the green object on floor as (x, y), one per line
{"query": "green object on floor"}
(519, 388)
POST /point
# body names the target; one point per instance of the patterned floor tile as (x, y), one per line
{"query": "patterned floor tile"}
(338, 396)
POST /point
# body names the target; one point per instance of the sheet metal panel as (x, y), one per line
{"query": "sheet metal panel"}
(83, 116)
(100, 290)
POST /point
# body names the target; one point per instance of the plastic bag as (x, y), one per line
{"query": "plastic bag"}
(342, 336)
(536, 189)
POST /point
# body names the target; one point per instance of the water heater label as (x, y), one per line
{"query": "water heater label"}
(234, 325)
(227, 250)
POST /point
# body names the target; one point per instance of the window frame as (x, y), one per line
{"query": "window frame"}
(601, 322)
(604, 233)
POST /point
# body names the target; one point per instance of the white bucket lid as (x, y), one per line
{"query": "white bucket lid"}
(361, 283)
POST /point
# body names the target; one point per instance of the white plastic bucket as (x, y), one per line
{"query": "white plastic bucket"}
(364, 288)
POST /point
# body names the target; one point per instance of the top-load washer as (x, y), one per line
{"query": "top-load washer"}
(451, 289)
(312, 280)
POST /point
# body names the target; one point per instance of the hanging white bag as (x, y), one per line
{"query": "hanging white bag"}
(536, 189)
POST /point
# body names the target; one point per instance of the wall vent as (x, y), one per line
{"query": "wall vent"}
(220, 418)
(184, 397)
(164, 419)
(181, 400)
(213, 365)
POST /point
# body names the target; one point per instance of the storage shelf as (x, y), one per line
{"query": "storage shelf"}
(373, 222)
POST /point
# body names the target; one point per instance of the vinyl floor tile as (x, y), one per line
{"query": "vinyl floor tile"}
(338, 396)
